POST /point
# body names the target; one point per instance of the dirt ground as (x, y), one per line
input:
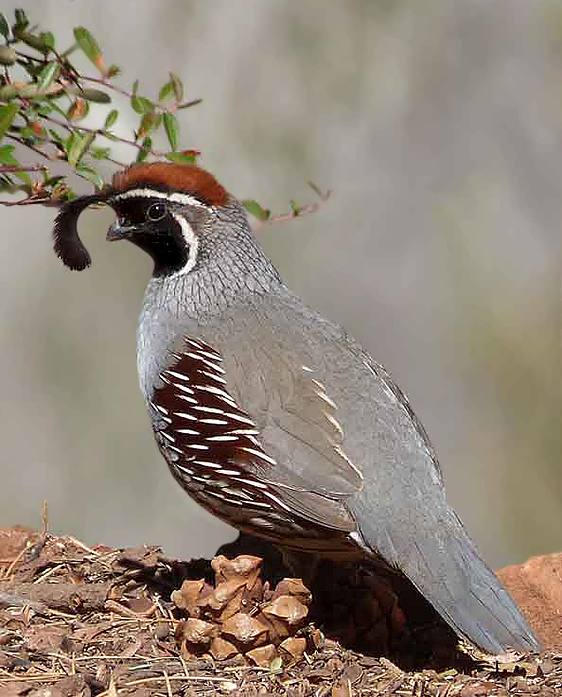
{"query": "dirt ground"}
(97, 621)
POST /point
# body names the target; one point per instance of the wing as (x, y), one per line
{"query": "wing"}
(298, 424)
(227, 457)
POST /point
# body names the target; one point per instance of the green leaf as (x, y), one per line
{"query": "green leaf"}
(254, 208)
(181, 158)
(7, 115)
(6, 155)
(295, 208)
(4, 27)
(111, 118)
(135, 88)
(48, 76)
(149, 123)
(44, 108)
(69, 142)
(90, 94)
(8, 55)
(28, 134)
(90, 47)
(172, 129)
(63, 193)
(49, 180)
(145, 149)
(79, 146)
(6, 184)
(165, 91)
(21, 22)
(113, 71)
(48, 39)
(36, 42)
(7, 158)
(177, 87)
(91, 175)
(142, 105)
(21, 17)
(99, 153)
(96, 96)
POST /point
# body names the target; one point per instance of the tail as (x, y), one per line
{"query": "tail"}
(440, 559)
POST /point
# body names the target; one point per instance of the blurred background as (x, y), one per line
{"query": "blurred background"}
(439, 127)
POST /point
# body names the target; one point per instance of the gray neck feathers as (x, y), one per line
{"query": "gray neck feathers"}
(231, 269)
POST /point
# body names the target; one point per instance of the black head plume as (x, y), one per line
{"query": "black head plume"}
(68, 245)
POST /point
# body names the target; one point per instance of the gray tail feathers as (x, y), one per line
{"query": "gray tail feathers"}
(443, 563)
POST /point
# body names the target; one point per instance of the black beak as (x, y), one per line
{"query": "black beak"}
(117, 231)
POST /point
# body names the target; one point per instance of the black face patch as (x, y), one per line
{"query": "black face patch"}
(138, 210)
(155, 230)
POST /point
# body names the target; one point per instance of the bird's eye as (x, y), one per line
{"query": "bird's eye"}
(156, 212)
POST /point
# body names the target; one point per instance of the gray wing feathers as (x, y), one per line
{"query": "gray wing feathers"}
(304, 427)
(299, 430)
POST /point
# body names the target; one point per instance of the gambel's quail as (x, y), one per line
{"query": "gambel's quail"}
(273, 418)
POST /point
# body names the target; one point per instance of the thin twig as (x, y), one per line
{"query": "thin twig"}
(168, 684)
(26, 144)
(30, 201)
(115, 162)
(7, 169)
(12, 566)
(20, 54)
(34, 678)
(50, 572)
(189, 678)
(106, 83)
(119, 657)
(301, 211)
(45, 519)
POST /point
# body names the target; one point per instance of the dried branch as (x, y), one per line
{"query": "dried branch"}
(300, 211)
(8, 169)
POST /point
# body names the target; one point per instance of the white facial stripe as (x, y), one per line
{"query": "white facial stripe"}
(183, 199)
(191, 241)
